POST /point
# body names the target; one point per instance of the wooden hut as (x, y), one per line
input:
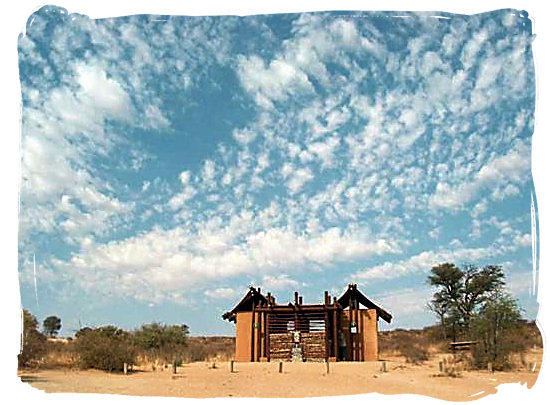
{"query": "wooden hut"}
(339, 329)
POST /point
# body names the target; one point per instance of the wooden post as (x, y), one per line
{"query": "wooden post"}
(231, 365)
(440, 366)
(360, 346)
(335, 332)
(384, 369)
(490, 368)
(352, 335)
(174, 367)
(328, 367)
(327, 330)
(262, 334)
(280, 367)
(357, 334)
(252, 340)
(125, 368)
(267, 354)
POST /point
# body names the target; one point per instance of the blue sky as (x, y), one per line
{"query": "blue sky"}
(169, 162)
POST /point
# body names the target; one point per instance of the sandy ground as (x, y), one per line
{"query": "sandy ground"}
(200, 380)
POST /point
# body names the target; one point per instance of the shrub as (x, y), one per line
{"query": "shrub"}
(33, 343)
(412, 344)
(499, 331)
(203, 348)
(414, 353)
(161, 342)
(106, 348)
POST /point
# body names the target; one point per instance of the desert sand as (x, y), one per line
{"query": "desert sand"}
(201, 380)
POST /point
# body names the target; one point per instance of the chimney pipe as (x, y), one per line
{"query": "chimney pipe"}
(300, 300)
(296, 297)
(327, 298)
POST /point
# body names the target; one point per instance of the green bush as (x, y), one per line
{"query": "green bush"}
(105, 348)
(33, 343)
(500, 331)
(161, 342)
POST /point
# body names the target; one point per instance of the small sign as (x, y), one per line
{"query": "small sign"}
(353, 327)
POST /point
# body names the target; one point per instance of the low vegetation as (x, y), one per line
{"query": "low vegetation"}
(471, 304)
(33, 343)
(109, 347)
(106, 348)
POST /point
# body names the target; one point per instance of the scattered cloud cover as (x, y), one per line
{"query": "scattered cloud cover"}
(170, 161)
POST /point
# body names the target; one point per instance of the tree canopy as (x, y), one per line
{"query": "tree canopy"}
(51, 325)
(460, 293)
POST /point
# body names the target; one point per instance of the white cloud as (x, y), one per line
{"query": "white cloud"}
(503, 170)
(274, 82)
(208, 173)
(101, 93)
(280, 282)
(324, 150)
(185, 177)
(523, 240)
(165, 261)
(222, 293)
(244, 136)
(178, 200)
(298, 178)
(423, 262)
(58, 140)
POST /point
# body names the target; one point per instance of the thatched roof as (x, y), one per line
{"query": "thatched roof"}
(252, 297)
(255, 298)
(354, 294)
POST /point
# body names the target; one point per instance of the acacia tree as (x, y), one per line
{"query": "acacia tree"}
(51, 325)
(460, 293)
(496, 327)
(447, 277)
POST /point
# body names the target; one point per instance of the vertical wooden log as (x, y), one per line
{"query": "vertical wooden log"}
(357, 334)
(490, 368)
(252, 332)
(280, 367)
(360, 346)
(327, 330)
(268, 354)
(335, 332)
(174, 367)
(440, 366)
(125, 368)
(256, 327)
(327, 364)
(262, 334)
(231, 366)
